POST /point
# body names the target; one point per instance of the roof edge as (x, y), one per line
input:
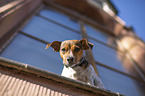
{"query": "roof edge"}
(113, 6)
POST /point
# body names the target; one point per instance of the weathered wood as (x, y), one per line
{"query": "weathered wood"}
(14, 16)
(26, 80)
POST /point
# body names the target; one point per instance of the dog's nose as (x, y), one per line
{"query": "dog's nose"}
(70, 59)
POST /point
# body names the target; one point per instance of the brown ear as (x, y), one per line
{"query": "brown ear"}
(55, 45)
(85, 44)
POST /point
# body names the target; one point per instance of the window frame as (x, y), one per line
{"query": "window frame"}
(89, 21)
(10, 35)
(9, 32)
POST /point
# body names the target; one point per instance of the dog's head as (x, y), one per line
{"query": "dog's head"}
(71, 51)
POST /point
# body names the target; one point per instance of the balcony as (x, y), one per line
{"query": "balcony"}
(21, 79)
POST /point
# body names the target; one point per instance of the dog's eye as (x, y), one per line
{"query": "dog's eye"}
(77, 49)
(63, 50)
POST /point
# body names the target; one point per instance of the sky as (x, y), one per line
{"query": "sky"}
(133, 13)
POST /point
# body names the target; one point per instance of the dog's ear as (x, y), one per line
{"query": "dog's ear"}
(85, 44)
(55, 45)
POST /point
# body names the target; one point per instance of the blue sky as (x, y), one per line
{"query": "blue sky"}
(133, 13)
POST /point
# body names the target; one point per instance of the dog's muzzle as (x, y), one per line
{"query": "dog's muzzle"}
(70, 60)
(80, 63)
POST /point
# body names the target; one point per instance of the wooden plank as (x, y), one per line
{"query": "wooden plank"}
(59, 94)
(29, 89)
(18, 87)
(17, 15)
(32, 89)
(48, 92)
(4, 2)
(40, 91)
(44, 91)
(49, 79)
(26, 89)
(36, 90)
(52, 93)
(3, 81)
(22, 88)
(63, 95)
(6, 84)
(14, 86)
(9, 92)
(10, 5)
(56, 93)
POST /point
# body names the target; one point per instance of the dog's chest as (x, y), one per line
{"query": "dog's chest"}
(78, 73)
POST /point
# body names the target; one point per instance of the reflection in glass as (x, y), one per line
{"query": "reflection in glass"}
(117, 82)
(100, 36)
(106, 55)
(97, 34)
(48, 31)
(32, 52)
(60, 18)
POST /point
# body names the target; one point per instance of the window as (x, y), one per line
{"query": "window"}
(94, 33)
(55, 16)
(48, 31)
(117, 82)
(110, 66)
(51, 25)
(27, 48)
(109, 56)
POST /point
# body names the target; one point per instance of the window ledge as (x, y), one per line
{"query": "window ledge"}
(57, 78)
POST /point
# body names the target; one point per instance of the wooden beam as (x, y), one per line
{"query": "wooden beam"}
(89, 54)
(16, 13)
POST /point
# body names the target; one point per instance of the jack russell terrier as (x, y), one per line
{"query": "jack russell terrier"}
(75, 65)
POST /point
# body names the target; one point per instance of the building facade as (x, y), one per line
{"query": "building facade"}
(26, 26)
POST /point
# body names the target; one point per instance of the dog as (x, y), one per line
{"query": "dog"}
(75, 65)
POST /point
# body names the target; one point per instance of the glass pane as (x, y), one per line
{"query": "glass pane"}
(60, 18)
(106, 55)
(48, 31)
(97, 34)
(117, 82)
(30, 51)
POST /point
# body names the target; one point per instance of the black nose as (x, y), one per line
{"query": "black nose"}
(70, 59)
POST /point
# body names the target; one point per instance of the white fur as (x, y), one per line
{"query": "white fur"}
(87, 75)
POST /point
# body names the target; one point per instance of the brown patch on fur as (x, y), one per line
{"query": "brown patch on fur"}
(86, 45)
(70, 46)
(55, 45)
